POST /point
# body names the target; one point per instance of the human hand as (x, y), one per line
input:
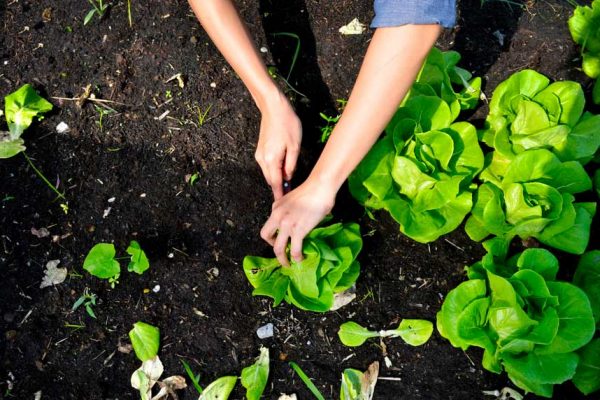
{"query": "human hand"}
(295, 215)
(278, 143)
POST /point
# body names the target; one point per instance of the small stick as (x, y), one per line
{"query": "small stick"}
(89, 99)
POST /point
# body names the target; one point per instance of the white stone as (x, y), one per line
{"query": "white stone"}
(265, 331)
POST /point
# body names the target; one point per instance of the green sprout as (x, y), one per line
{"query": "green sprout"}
(98, 7)
(202, 115)
(129, 18)
(88, 300)
(193, 178)
(193, 377)
(102, 111)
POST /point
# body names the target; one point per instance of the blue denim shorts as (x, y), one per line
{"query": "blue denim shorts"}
(402, 12)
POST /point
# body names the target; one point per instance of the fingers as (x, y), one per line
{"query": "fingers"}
(281, 245)
(291, 158)
(296, 249)
(276, 181)
(269, 231)
(271, 166)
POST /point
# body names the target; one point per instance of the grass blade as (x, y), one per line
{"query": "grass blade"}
(311, 386)
(190, 374)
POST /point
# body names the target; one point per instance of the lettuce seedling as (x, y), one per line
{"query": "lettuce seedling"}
(145, 340)
(357, 385)
(528, 324)
(101, 261)
(527, 112)
(219, 389)
(20, 108)
(414, 332)
(255, 376)
(535, 198)
(329, 267)
(584, 26)
(139, 261)
(421, 172)
(441, 77)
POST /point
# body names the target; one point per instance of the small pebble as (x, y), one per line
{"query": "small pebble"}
(156, 289)
(143, 195)
(213, 85)
(171, 255)
(263, 49)
(62, 128)
(112, 199)
(265, 331)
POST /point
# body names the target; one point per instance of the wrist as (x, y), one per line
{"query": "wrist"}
(327, 183)
(270, 98)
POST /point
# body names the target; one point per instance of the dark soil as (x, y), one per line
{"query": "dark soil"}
(196, 236)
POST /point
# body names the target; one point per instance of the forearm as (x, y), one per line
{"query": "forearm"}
(391, 64)
(223, 24)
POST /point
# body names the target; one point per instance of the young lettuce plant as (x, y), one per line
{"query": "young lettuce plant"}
(528, 324)
(329, 267)
(441, 77)
(421, 172)
(414, 332)
(527, 112)
(255, 376)
(20, 108)
(357, 385)
(584, 26)
(535, 198)
(145, 340)
(101, 261)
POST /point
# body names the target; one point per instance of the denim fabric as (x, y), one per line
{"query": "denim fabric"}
(402, 12)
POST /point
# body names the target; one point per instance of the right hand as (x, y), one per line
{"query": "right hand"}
(278, 143)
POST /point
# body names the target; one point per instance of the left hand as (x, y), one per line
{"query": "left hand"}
(295, 215)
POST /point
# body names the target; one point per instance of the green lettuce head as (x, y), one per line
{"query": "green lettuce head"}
(527, 112)
(528, 324)
(441, 76)
(535, 199)
(329, 267)
(585, 30)
(421, 172)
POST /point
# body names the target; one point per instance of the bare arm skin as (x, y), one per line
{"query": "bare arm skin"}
(280, 129)
(391, 64)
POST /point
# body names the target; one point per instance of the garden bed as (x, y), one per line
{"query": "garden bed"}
(197, 235)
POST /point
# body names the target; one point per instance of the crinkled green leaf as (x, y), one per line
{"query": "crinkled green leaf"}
(454, 304)
(537, 373)
(587, 375)
(21, 106)
(571, 232)
(576, 322)
(587, 278)
(539, 260)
